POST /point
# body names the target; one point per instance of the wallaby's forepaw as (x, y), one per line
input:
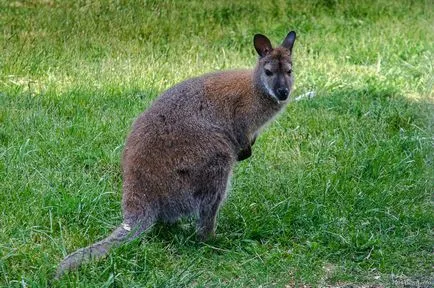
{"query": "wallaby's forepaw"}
(244, 154)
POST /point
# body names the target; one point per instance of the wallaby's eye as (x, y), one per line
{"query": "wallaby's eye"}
(268, 72)
(289, 71)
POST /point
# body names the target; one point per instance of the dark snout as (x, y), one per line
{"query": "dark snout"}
(282, 93)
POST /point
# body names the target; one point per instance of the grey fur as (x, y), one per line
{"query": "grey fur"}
(180, 153)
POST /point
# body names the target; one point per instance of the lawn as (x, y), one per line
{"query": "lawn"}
(338, 190)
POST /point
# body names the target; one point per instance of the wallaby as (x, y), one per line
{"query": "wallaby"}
(180, 153)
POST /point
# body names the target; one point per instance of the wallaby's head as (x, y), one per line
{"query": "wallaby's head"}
(274, 69)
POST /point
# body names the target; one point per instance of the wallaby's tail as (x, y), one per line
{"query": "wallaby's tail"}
(122, 234)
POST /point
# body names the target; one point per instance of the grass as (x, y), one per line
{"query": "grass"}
(339, 189)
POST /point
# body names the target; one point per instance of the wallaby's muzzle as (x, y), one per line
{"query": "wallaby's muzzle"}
(282, 93)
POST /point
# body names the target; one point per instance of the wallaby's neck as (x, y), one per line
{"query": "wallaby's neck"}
(240, 99)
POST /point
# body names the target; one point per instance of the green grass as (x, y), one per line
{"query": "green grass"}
(339, 189)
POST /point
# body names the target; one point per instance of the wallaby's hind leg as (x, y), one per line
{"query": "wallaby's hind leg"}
(207, 220)
(212, 197)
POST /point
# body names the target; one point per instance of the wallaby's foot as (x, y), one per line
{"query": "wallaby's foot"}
(205, 236)
(172, 222)
(206, 225)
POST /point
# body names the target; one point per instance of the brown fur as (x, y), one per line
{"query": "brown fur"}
(179, 155)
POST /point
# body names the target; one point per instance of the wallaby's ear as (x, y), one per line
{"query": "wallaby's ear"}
(262, 44)
(289, 40)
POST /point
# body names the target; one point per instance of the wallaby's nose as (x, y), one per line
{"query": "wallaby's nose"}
(282, 93)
